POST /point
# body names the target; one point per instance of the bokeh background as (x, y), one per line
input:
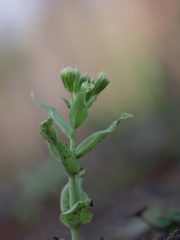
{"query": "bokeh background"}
(137, 44)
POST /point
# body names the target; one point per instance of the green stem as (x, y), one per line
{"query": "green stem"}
(72, 177)
(72, 190)
(71, 97)
(75, 233)
(72, 194)
(72, 140)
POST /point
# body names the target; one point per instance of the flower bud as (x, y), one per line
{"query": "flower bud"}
(88, 87)
(70, 77)
(84, 78)
(101, 83)
(85, 86)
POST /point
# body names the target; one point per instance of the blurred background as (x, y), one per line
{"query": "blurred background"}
(137, 44)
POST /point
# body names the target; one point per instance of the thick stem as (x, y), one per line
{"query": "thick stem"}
(72, 194)
(72, 177)
(73, 140)
(71, 190)
(75, 233)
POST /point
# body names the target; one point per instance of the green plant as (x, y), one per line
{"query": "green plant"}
(164, 225)
(83, 90)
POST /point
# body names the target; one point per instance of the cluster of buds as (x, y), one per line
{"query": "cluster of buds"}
(74, 83)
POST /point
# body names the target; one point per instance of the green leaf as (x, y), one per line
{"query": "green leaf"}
(79, 111)
(64, 126)
(79, 192)
(59, 150)
(64, 198)
(126, 116)
(68, 104)
(95, 138)
(175, 216)
(77, 215)
(91, 101)
(163, 223)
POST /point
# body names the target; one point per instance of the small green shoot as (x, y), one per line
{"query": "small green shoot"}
(83, 90)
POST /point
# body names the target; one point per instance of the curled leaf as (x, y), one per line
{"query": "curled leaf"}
(59, 150)
(64, 199)
(79, 192)
(77, 215)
